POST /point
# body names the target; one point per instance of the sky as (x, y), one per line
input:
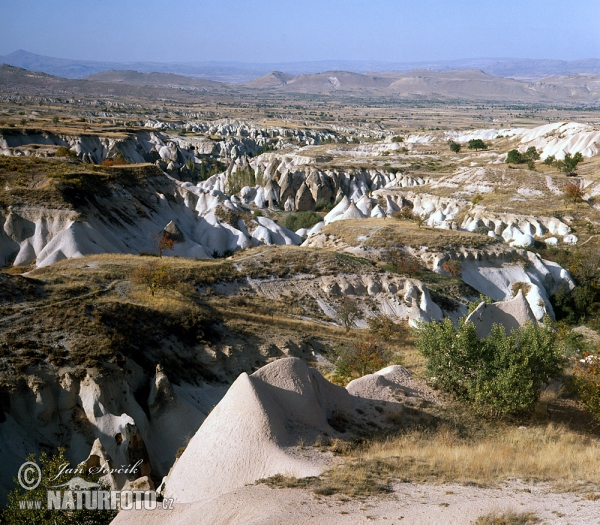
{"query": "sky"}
(272, 31)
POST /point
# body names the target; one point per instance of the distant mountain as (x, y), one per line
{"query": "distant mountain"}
(241, 72)
(272, 79)
(15, 80)
(153, 79)
(321, 82)
(467, 85)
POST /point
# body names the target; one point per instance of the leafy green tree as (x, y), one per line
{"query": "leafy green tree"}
(514, 157)
(499, 374)
(477, 144)
(50, 466)
(454, 146)
(531, 154)
(570, 162)
(549, 160)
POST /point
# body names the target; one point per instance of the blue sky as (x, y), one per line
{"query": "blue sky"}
(301, 30)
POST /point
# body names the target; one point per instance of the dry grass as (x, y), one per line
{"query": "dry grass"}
(568, 460)
(391, 233)
(508, 518)
(551, 453)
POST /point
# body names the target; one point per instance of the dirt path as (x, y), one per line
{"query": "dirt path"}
(409, 504)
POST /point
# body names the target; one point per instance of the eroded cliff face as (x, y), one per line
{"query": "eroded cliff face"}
(133, 417)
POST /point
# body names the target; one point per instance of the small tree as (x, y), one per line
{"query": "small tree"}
(348, 313)
(532, 154)
(163, 242)
(477, 144)
(360, 358)
(570, 162)
(573, 192)
(454, 146)
(154, 276)
(514, 157)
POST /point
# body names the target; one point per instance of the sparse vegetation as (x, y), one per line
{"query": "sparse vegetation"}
(508, 518)
(452, 267)
(63, 151)
(153, 275)
(302, 219)
(358, 359)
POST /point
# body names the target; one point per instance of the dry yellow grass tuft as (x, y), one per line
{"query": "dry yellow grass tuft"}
(551, 453)
(508, 518)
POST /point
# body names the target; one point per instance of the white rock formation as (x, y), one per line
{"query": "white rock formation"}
(511, 314)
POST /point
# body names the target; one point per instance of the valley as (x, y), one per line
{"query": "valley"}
(189, 269)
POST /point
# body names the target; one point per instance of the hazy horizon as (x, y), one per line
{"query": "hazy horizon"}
(268, 32)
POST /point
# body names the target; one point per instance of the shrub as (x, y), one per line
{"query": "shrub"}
(397, 138)
(520, 285)
(323, 205)
(359, 358)
(386, 326)
(405, 213)
(453, 267)
(62, 151)
(301, 219)
(499, 374)
(454, 146)
(477, 144)
(573, 192)
(154, 276)
(404, 263)
(477, 199)
(587, 382)
(119, 160)
(514, 157)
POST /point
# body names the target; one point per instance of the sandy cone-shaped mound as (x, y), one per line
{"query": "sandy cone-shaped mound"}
(252, 433)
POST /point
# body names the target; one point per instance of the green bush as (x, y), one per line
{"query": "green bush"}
(301, 219)
(476, 144)
(65, 152)
(323, 205)
(499, 374)
(454, 146)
